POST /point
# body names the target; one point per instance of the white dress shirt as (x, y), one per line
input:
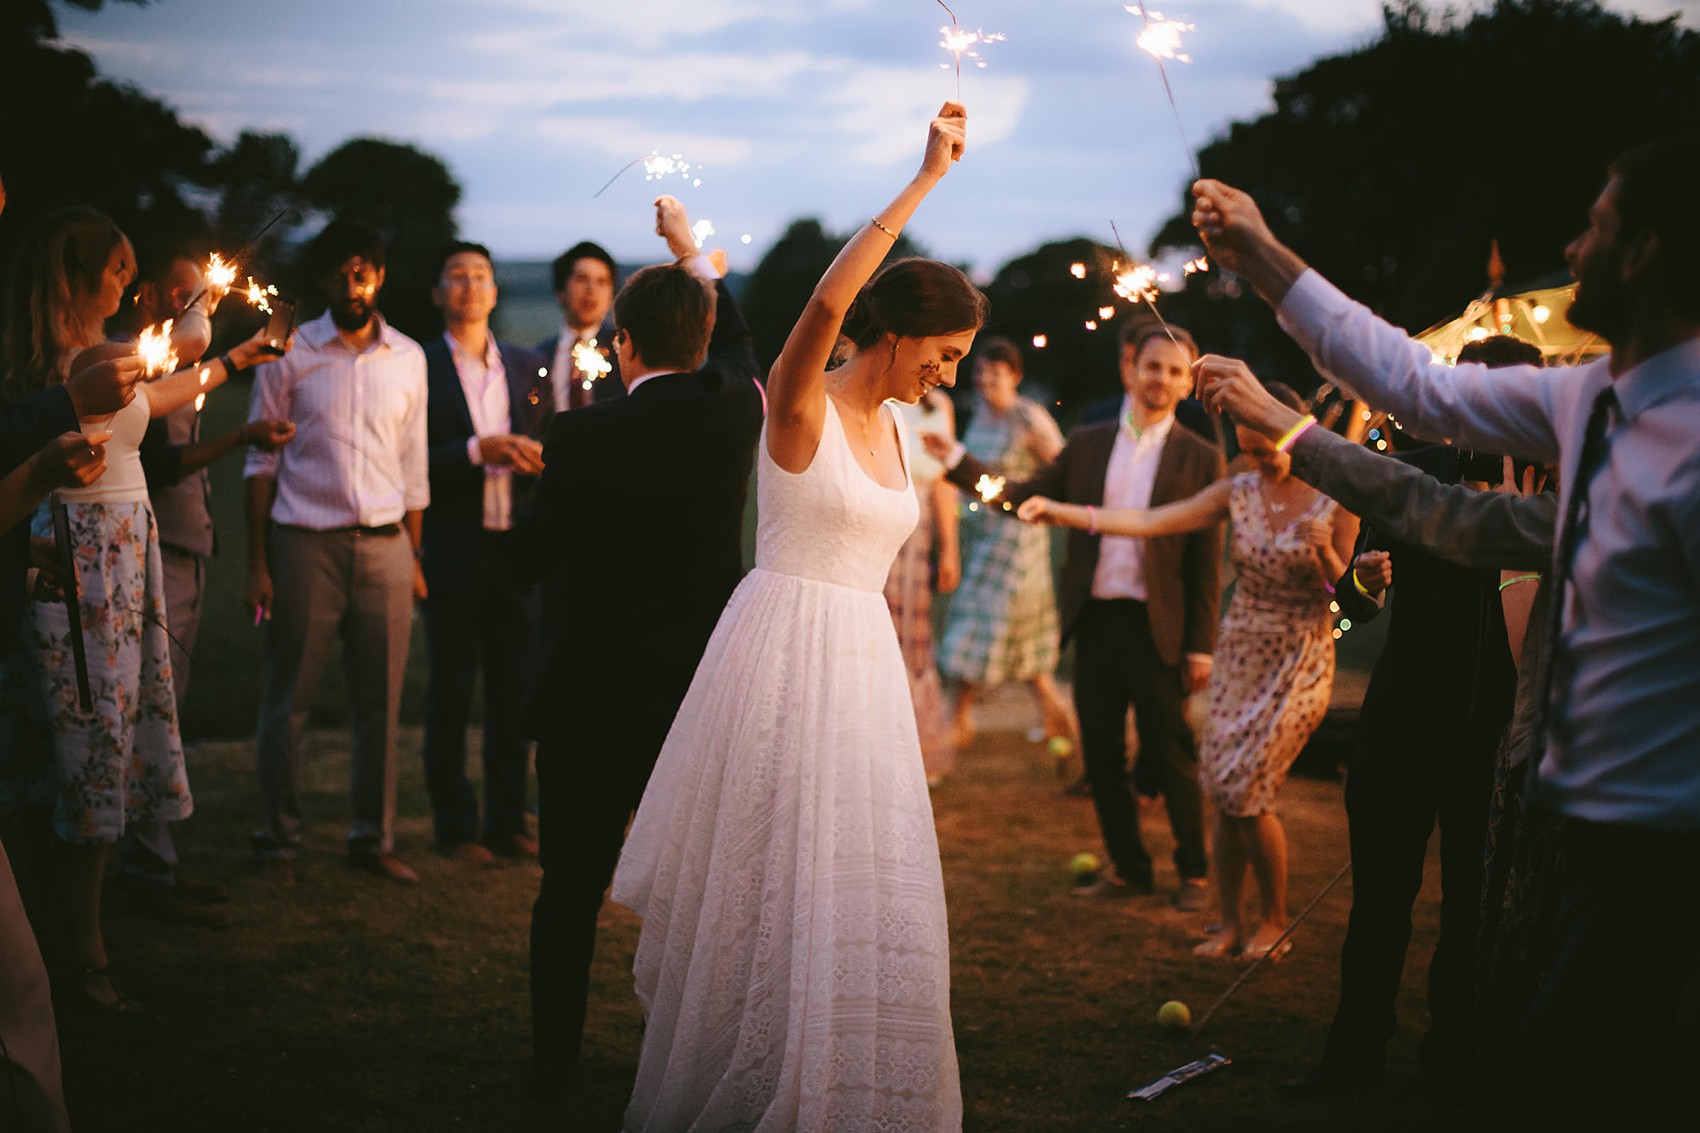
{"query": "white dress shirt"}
(484, 382)
(359, 454)
(1624, 725)
(1127, 484)
(563, 372)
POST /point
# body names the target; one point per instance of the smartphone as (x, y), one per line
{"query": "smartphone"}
(280, 326)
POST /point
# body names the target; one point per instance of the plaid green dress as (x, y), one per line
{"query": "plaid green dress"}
(1002, 623)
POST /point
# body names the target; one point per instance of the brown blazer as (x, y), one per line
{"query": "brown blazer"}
(1182, 572)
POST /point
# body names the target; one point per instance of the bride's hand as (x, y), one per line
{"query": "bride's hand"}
(947, 137)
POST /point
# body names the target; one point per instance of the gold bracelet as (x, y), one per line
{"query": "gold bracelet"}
(883, 228)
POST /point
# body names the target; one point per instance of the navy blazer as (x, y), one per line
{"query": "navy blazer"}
(455, 520)
(606, 388)
(637, 523)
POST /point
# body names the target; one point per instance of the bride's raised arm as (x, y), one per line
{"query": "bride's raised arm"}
(796, 386)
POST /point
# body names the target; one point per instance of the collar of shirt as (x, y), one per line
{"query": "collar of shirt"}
(321, 333)
(631, 386)
(1664, 375)
(492, 353)
(1155, 433)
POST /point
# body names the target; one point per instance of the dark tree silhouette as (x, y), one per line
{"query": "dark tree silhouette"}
(1393, 168)
(780, 286)
(411, 196)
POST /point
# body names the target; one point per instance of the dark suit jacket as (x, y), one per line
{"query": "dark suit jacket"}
(1446, 663)
(607, 388)
(1472, 529)
(25, 426)
(637, 522)
(1182, 572)
(454, 522)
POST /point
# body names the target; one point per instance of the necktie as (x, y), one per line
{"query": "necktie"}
(1594, 449)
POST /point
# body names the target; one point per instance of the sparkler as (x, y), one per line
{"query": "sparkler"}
(154, 347)
(1162, 40)
(960, 43)
(702, 230)
(990, 487)
(259, 297)
(588, 361)
(1139, 283)
(657, 166)
(220, 275)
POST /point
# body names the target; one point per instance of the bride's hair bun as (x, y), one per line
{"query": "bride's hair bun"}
(913, 298)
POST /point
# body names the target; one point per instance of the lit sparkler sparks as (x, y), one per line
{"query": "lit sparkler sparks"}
(1138, 284)
(1192, 267)
(1077, 270)
(657, 166)
(702, 230)
(960, 43)
(990, 487)
(589, 363)
(157, 353)
(259, 297)
(1162, 40)
(220, 273)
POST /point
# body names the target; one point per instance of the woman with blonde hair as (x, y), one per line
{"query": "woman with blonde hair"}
(120, 757)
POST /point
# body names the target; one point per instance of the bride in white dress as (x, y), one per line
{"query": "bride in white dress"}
(794, 962)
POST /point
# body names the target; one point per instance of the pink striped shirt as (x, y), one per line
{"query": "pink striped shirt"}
(358, 458)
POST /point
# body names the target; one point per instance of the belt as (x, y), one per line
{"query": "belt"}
(382, 530)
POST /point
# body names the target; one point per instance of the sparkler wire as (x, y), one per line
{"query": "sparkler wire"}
(1163, 72)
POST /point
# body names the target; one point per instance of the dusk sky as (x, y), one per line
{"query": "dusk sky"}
(788, 107)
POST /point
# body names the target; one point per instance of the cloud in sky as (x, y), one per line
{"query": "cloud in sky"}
(791, 108)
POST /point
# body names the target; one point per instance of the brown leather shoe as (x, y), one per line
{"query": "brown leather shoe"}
(468, 853)
(515, 846)
(386, 865)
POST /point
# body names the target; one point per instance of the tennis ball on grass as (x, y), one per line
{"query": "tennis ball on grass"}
(1174, 1015)
(1083, 865)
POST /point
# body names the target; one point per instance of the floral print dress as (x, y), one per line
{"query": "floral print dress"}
(1274, 666)
(122, 761)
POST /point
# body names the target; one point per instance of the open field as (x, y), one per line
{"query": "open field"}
(352, 1004)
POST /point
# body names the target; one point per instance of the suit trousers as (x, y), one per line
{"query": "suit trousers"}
(347, 584)
(1116, 664)
(1612, 1039)
(493, 623)
(587, 792)
(1400, 783)
(149, 855)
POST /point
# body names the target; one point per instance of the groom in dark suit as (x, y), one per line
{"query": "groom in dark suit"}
(1142, 612)
(486, 409)
(637, 522)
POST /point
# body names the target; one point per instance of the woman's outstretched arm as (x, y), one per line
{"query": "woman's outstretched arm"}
(1194, 513)
(796, 386)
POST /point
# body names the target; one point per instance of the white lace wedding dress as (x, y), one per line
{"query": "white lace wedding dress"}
(793, 965)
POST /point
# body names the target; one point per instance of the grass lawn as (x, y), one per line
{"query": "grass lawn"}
(351, 1003)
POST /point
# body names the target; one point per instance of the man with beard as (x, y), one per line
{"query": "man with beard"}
(333, 538)
(1613, 1036)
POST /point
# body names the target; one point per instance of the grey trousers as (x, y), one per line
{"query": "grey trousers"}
(149, 855)
(326, 585)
